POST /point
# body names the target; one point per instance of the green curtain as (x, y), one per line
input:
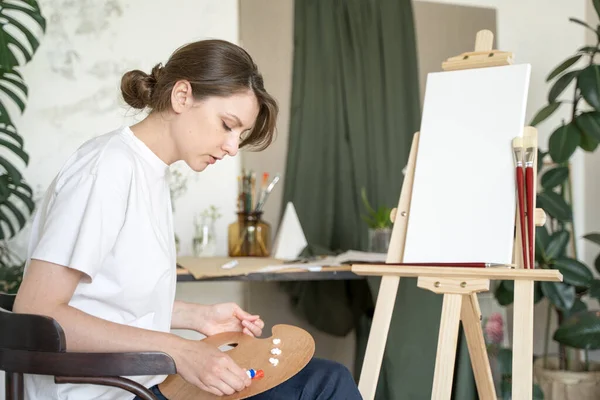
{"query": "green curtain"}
(355, 107)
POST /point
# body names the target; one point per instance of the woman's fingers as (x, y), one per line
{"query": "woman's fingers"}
(251, 328)
(210, 389)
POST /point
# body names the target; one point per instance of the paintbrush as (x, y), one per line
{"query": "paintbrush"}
(438, 264)
(530, 149)
(518, 154)
(263, 200)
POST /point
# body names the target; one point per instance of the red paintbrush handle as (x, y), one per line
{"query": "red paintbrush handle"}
(521, 196)
(530, 193)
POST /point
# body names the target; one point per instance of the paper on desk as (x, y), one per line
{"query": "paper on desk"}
(353, 256)
(213, 266)
(275, 268)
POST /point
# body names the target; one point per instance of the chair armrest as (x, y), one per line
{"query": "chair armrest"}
(87, 364)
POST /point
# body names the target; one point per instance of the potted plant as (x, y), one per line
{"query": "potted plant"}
(379, 224)
(578, 329)
(18, 43)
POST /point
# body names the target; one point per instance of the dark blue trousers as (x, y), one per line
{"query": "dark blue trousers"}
(319, 380)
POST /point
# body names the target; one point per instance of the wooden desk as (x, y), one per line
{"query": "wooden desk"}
(184, 275)
(190, 269)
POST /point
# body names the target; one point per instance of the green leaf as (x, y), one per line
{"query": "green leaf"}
(7, 222)
(588, 83)
(581, 331)
(574, 272)
(504, 297)
(554, 177)
(563, 66)
(597, 264)
(563, 142)
(589, 123)
(14, 87)
(505, 357)
(555, 205)
(561, 295)
(542, 239)
(595, 289)
(540, 159)
(14, 173)
(578, 306)
(13, 196)
(544, 113)
(18, 16)
(12, 134)
(588, 143)
(561, 84)
(363, 193)
(557, 245)
(589, 49)
(538, 394)
(15, 149)
(593, 237)
(580, 22)
(597, 6)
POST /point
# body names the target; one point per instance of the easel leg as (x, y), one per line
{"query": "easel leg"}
(446, 350)
(522, 367)
(470, 316)
(384, 308)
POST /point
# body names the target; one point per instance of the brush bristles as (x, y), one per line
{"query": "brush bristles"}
(529, 142)
(517, 142)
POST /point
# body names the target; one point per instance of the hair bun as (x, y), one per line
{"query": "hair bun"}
(157, 72)
(137, 87)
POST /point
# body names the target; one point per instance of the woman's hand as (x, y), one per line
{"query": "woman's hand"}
(229, 317)
(208, 368)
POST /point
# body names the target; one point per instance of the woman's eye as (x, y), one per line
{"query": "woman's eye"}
(226, 127)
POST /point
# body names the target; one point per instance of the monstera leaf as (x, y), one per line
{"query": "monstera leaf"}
(17, 41)
(21, 21)
(15, 203)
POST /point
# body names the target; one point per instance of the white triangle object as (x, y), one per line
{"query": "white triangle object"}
(290, 240)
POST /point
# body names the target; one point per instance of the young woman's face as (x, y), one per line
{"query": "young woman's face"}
(208, 130)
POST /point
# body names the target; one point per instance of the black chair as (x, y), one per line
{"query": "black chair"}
(34, 344)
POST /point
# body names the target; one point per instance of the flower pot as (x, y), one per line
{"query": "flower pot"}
(567, 385)
(379, 240)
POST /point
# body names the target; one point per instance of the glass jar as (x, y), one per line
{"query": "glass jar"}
(249, 236)
(205, 241)
(379, 239)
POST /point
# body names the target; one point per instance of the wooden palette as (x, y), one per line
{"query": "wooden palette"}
(297, 348)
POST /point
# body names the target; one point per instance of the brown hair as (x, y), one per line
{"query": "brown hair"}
(213, 68)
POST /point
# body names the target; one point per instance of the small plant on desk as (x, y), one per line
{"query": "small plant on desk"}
(379, 224)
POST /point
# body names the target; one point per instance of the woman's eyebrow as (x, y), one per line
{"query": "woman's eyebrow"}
(234, 117)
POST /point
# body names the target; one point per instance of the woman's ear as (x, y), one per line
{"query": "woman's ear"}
(181, 96)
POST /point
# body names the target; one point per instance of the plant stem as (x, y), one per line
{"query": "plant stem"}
(570, 202)
(547, 335)
(587, 359)
(562, 351)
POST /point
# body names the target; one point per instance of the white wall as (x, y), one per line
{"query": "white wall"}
(74, 95)
(75, 76)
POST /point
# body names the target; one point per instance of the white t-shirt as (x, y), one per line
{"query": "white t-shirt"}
(108, 214)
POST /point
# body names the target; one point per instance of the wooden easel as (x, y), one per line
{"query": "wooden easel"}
(458, 285)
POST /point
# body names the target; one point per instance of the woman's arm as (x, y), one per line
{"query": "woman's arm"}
(47, 289)
(187, 315)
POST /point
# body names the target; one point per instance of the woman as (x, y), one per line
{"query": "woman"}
(101, 259)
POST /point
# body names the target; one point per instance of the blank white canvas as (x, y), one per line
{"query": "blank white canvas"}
(463, 199)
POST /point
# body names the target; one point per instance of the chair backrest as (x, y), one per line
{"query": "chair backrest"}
(28, 332)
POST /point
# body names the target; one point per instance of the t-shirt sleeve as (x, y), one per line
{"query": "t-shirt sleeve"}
(83, 221)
